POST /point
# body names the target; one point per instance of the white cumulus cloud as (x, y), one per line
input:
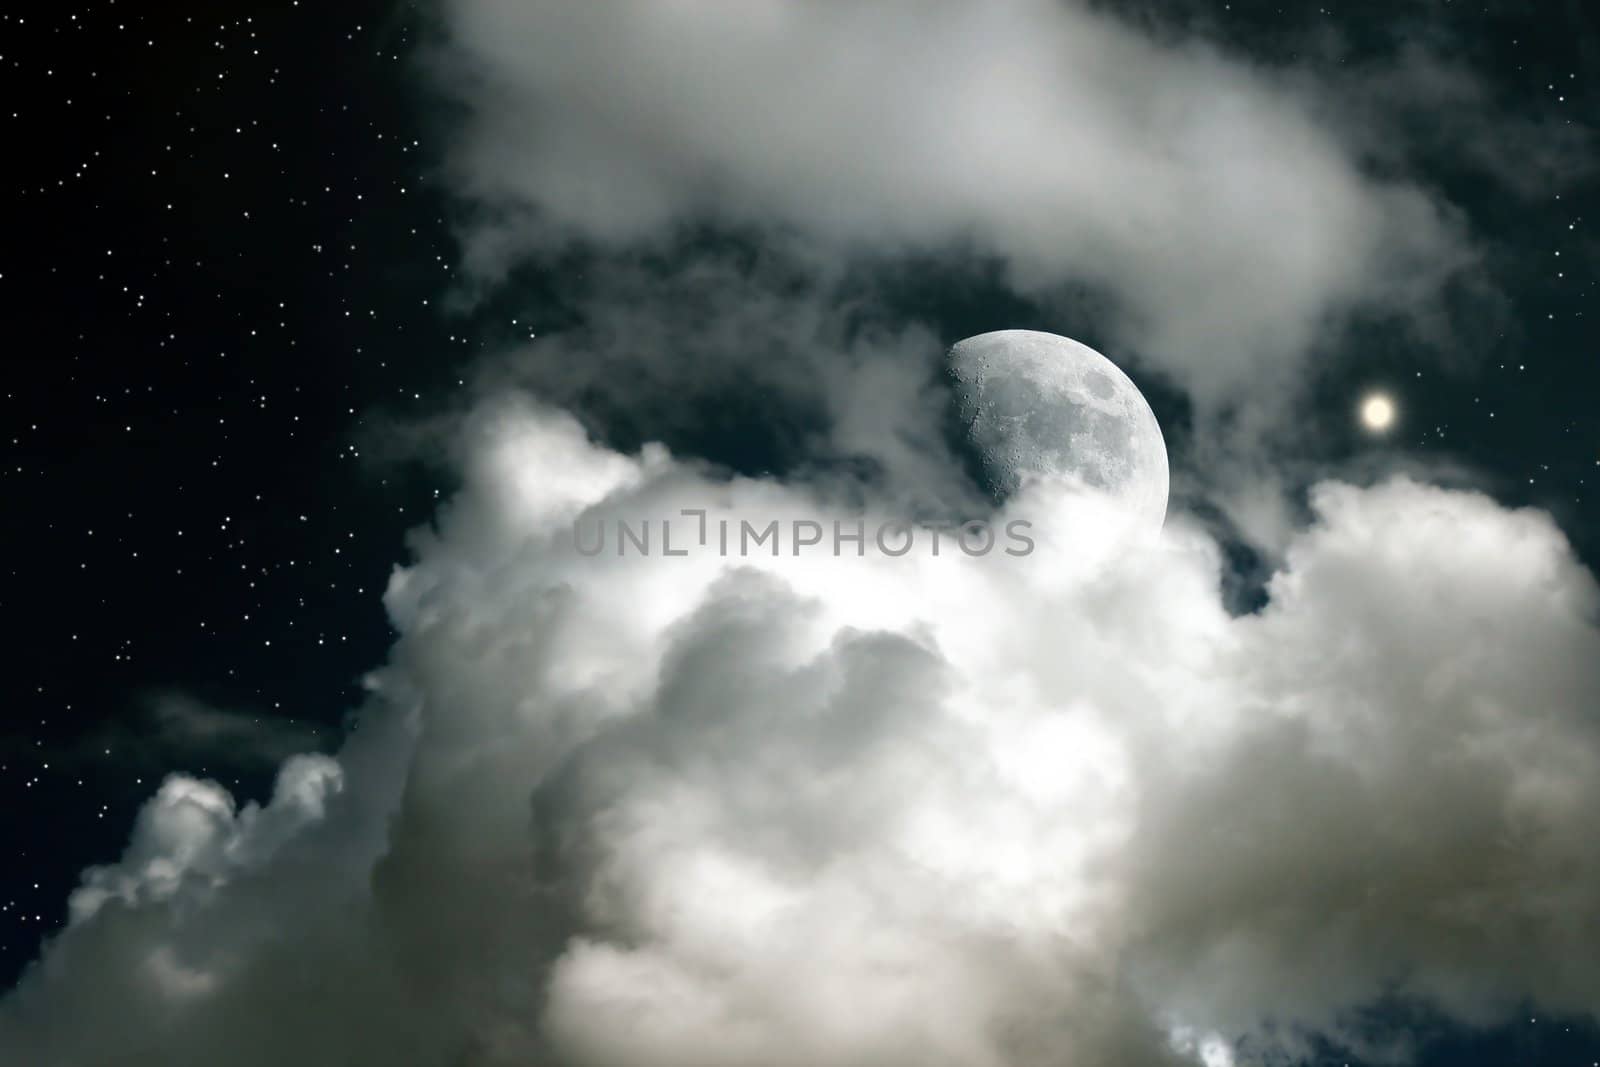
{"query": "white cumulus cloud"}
(818, 810)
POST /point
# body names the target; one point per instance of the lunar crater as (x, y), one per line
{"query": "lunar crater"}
(1040, 406)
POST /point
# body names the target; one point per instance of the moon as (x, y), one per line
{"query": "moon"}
(1040, 407)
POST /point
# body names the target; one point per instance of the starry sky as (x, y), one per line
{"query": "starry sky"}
(241, 249)
(236, 296)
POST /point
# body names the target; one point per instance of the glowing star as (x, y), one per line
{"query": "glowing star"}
(1377, 413)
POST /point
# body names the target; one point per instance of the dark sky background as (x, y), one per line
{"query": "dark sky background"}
(225, 267)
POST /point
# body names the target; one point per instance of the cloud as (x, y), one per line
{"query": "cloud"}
(833, 810)
(1226, 222)
(756, 226)
(761, 358)
(176, 728)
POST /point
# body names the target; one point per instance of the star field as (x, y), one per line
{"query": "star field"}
(217, 272)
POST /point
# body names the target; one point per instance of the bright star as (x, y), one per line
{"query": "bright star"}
(1377, 413)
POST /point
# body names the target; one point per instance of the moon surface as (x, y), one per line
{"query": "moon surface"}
(1041, 407)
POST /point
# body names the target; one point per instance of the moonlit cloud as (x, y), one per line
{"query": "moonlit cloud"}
(825, 810)
(1224, 220)
(1213, 223)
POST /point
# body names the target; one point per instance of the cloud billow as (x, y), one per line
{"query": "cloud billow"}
(789, 810)
(1226, 221)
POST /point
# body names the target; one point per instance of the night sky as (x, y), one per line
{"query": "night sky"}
(241, 249)
(234, 305)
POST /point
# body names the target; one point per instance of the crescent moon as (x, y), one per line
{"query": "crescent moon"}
(1039, 407)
